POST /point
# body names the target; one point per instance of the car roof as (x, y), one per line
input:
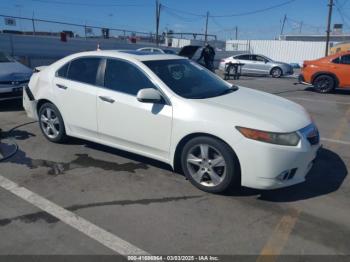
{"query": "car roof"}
(130, 54)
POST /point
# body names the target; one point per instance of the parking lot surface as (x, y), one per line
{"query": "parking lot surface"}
(142, 202)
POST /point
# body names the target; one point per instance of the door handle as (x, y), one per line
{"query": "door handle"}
(107, 99)
(61, 86)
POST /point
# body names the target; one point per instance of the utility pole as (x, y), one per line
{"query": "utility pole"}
(330, 11)
(283, 24)
(33, 23)
(236, 29)
(301, 27)
(206, 28)
(158, 7)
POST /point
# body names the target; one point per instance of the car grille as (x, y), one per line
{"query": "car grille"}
(311, 134)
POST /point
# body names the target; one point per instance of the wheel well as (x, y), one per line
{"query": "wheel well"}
(275, 68)
(325, 73)
(40, 103)
(182, 143)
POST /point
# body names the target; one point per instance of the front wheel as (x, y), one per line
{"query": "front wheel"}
(276, 72)
(210, 164)
(51, 123)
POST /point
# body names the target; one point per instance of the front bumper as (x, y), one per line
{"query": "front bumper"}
(268, 166)
(10, 92)
(12, 89)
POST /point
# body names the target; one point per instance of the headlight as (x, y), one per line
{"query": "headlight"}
(284, 139)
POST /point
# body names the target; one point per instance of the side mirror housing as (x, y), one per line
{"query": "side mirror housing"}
(149, 95)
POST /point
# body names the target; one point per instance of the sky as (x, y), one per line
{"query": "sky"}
(307, 16)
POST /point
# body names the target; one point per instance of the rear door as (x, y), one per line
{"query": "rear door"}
(75, 86)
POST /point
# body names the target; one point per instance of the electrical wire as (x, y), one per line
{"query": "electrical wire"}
(12, 141)
(84, 4)
(256, 11)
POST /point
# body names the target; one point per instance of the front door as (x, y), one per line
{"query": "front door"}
(260, 65)
(125, 122)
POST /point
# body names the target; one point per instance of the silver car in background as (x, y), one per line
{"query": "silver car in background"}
(258, 65)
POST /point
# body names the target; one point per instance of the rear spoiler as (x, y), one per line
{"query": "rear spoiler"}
(39, 69)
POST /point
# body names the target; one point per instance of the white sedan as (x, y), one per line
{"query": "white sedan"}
(171, 109)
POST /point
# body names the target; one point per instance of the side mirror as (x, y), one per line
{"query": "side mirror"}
(149, 95)
(266, 61)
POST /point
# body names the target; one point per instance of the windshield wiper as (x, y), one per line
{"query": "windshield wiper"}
(233, 88)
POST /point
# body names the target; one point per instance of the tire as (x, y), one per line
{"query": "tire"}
(276, 72)
(51, 123)
(324, 84)
(215, 171)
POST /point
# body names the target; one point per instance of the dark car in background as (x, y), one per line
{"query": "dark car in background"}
(193, 52)
(13, 77)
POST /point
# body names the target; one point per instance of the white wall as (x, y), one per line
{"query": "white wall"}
(284, 51)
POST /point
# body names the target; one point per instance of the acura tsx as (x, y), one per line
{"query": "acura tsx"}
(171, 109)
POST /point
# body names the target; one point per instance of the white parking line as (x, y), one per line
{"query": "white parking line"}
(336, 141)
(91, 230)
(317, 100)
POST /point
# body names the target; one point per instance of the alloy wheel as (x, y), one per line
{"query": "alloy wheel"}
(206, 165)
(50, 123)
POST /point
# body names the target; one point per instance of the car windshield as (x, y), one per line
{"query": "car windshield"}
(188, 79)
(169, 52)
(4, 58)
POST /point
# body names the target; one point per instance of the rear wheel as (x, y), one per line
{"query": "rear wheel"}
(324, 84)
(51, 123)
(210, 164)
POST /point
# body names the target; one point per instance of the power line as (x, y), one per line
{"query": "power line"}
(232, 15)
(84, 4)
(256, 11)
(183, 12)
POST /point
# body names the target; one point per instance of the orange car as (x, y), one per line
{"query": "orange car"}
(327, 73)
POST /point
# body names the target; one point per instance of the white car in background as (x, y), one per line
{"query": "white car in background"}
(171, 109)
(157, 50)
(13, 77)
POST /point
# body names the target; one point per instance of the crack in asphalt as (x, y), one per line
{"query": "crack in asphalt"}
(41, 215)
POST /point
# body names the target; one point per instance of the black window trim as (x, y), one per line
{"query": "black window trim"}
(70, 61)
(248, 55)
(103, 72)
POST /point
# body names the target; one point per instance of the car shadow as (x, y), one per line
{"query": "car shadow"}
(326, 176)
(122, 153)
(11, 105)
(338, 91)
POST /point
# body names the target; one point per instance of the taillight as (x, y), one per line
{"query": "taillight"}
(304, 65)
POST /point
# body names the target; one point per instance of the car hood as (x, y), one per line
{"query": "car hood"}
(14, 71)
(254, 109)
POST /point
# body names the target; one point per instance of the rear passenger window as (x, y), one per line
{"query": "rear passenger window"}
(243, 57)
(124, 77)
(62, 72)
(84, 70)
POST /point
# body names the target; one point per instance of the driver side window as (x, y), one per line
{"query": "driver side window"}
(124, 77)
